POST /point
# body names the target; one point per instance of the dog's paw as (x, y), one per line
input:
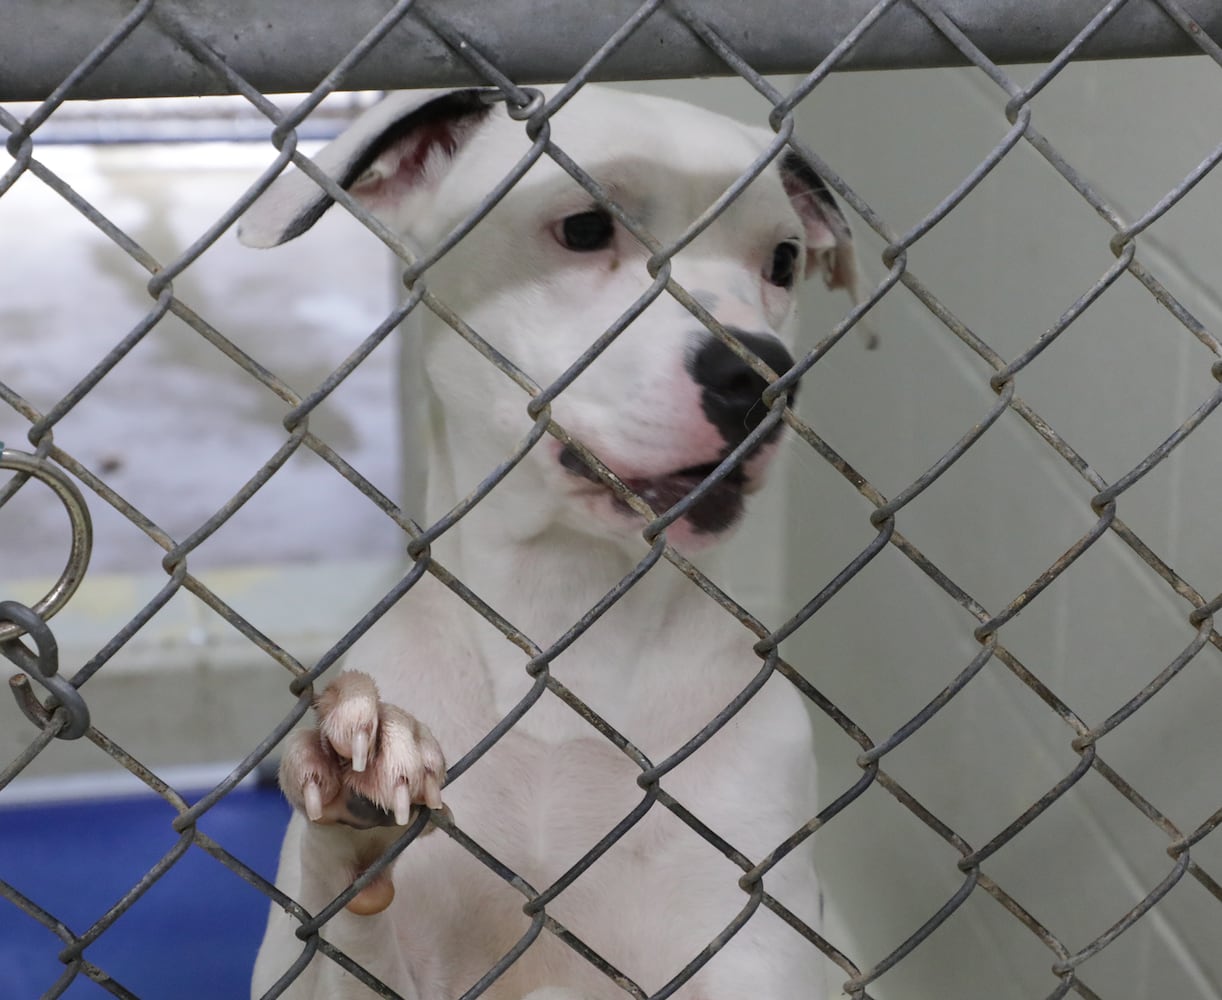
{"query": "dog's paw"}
(366, 764)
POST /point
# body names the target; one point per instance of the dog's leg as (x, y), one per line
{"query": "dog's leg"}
(357, 776)
(356, 780)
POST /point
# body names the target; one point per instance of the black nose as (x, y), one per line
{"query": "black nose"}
(731, 390)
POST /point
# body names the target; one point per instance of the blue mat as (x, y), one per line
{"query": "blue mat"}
(192, 936)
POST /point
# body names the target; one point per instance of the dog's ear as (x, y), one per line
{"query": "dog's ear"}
(394, 148)
(829, 241)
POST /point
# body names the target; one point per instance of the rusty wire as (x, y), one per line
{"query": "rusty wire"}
(66, 716)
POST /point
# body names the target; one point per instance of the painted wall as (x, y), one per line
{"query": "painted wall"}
(1008, 262)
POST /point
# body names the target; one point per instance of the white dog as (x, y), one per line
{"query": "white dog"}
(543, 275)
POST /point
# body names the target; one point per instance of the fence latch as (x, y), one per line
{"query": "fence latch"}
(42, 664)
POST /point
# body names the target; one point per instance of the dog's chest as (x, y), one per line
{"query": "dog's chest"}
(548, 803)
(574, 814)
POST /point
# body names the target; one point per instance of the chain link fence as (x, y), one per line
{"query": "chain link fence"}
(459, 47)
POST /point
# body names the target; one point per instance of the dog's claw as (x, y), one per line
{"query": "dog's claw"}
(432, 792)
(313, 801)
(360, 750)
(403, 805)
(367, 761)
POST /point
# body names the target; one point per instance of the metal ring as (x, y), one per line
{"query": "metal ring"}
(82, 532)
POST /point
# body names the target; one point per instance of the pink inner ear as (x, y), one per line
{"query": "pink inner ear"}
(405, 162)
(829, 244)
(829, 247)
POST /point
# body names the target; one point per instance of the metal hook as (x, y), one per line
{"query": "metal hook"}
(43, 666)
(82, 533)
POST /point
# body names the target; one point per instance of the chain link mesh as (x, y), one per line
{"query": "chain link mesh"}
(1070, 965)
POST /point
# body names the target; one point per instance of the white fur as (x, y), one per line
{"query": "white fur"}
(542, 549)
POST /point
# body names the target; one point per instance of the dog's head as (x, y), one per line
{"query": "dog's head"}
(548, 269)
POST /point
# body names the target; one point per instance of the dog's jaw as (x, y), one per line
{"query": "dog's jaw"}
(709, 520)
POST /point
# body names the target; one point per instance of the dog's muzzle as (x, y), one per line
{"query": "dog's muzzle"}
(731, 398)
(715, 511)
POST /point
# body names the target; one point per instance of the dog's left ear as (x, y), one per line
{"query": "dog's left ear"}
(829, 241)
(393, 150)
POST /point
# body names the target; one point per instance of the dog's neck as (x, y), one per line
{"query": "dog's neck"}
(544, 580)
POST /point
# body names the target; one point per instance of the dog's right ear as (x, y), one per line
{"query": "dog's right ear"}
(829, 241)
(392, 150)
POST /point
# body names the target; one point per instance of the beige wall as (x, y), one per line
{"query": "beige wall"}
(1008, 262)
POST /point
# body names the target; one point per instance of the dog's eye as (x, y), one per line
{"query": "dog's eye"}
(586, 232)
(784, 269)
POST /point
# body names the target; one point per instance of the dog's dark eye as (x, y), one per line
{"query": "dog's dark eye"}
(586, 232)
(784, 265)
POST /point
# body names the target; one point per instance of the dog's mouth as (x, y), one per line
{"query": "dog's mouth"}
(714, 512)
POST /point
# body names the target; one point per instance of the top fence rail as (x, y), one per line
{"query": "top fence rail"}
(289, 45)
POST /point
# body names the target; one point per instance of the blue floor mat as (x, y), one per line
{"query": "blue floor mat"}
(192, 936)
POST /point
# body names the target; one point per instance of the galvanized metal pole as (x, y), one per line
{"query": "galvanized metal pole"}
(289, 45)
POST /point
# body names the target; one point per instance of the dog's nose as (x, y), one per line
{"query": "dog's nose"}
(731, 391)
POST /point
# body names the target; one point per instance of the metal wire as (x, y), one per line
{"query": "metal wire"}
(66, 715)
